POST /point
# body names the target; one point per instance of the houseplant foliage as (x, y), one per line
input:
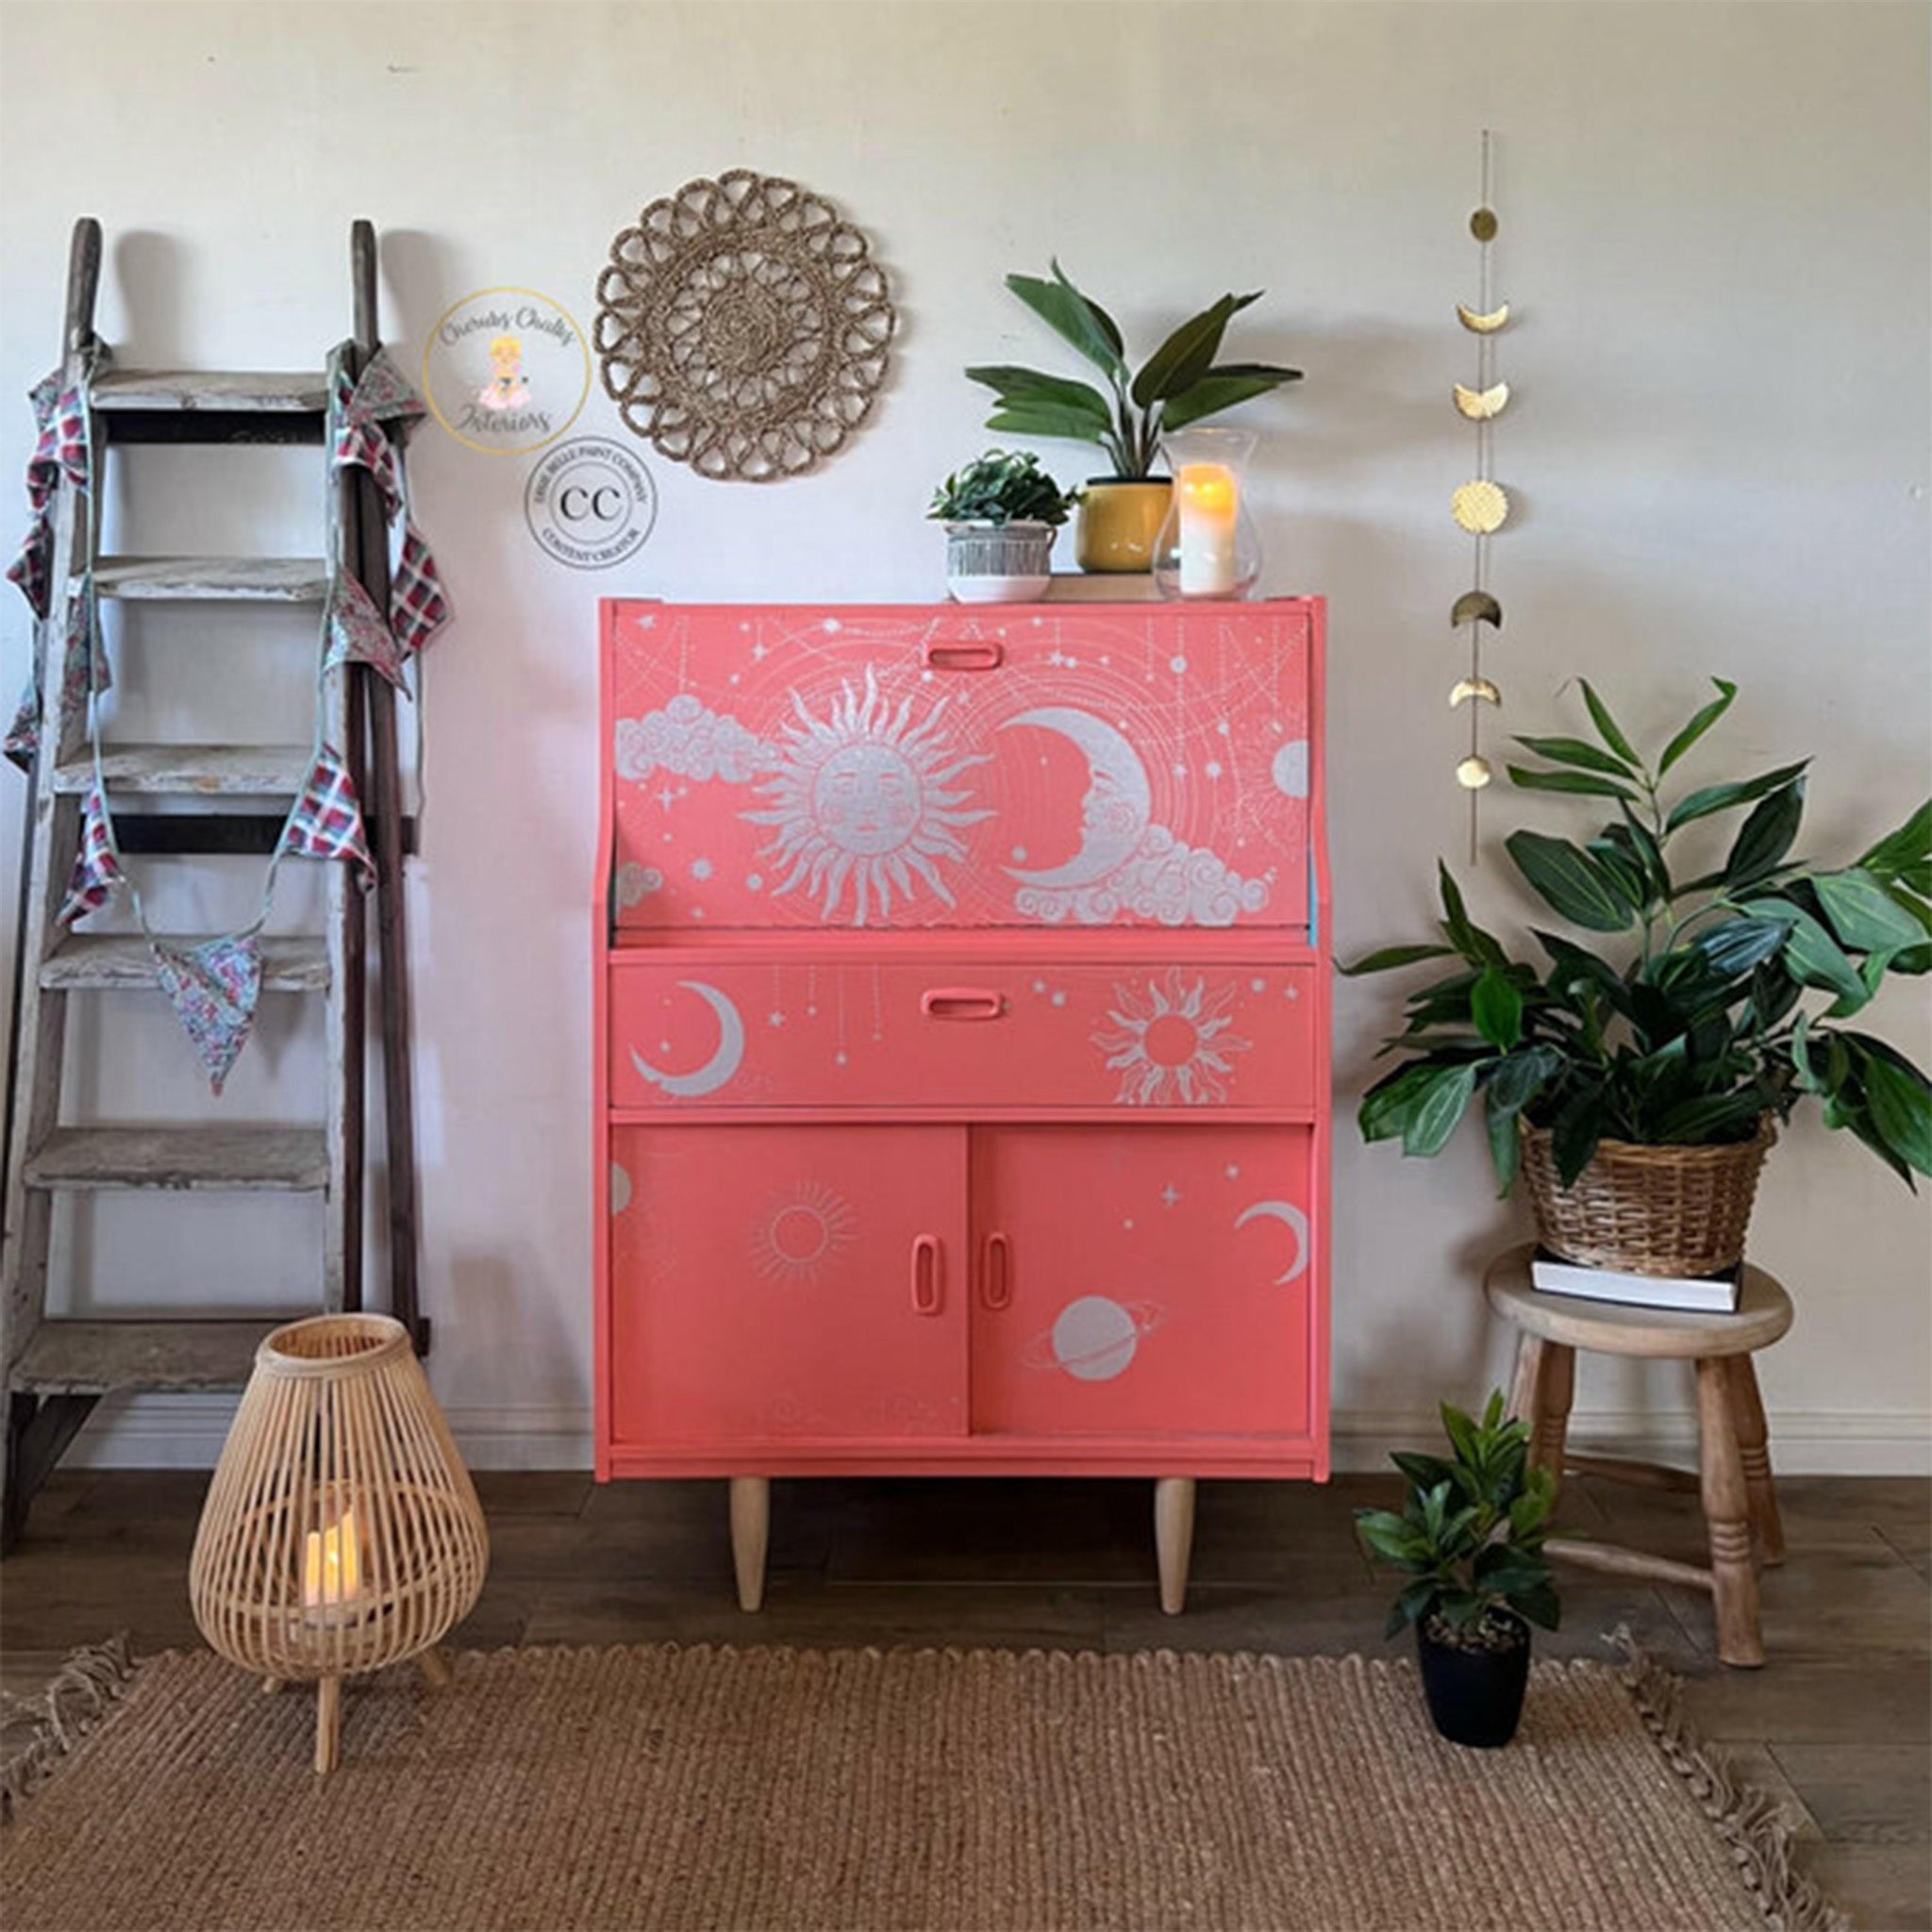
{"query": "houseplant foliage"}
(1001, 488)
(1180, 383)
(1469, 1535)
(1680, 1010)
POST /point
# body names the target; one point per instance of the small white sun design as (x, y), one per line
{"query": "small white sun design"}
(801, 1233)
(1169, 1042)
(864, 797)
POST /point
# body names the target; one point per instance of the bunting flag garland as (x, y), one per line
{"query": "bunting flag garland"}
(213, 989)
(384, 394)
(23, 739)
(358, 635)
(96, 875)
(32, 571)
(327, 820)
(60, 444)
(85, 672)
(418, 604)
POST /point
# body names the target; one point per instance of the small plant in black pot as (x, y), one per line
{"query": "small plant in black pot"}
(1471, 1534)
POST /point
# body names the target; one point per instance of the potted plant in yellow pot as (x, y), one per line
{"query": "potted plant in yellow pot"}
(1639, 1087)
(1181, 383)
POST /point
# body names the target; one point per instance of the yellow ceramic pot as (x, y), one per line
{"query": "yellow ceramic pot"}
(1119, 522)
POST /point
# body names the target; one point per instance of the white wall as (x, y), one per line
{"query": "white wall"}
(1715, 230)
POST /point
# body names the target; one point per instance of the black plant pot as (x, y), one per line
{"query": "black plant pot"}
(1476, 1696)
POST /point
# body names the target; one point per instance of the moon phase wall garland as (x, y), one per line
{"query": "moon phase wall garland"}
(1480, 506)
(846, 766)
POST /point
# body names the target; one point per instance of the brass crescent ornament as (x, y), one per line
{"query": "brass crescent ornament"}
(1480, 507)
(1475, 688)
(1481, 405)
(1473, 774)
(1482, 325)
(1478, 607)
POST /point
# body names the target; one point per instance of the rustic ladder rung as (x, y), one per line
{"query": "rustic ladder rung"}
(112, 962)
(67, 1358)
(268, 392)
(237, 771)
(215, 1160)
(210, 579)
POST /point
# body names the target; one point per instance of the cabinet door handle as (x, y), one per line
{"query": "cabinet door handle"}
(980, 655)
(928, 1283)
(996, 1274)
(961, 1003)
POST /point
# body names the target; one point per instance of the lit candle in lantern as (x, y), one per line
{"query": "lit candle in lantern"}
(331, 1564)
(1209, 501)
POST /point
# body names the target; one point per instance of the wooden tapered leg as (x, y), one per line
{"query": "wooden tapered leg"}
(1555, 1385)
(751, 1532)
(1525, 1392)
(1727, 1517)
(434, 1666)
(328, 1725)
(1753, 1451)
(1174, 1538)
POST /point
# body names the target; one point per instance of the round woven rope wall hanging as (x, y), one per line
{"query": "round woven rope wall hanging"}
(742, 328)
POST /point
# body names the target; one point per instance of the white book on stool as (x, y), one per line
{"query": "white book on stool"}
(1697, 1294)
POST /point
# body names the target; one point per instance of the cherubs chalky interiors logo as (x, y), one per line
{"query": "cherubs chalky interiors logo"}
(590, 503)
(507, 371)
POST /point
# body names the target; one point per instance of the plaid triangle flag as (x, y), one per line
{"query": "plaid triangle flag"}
(356, 634)
(85, 672)
(32, 571)
(96, 875)
(384, 393)
(364, 445)
(22, 740)
(61, 444)
(418, 604)
(213, 989)
(326, 821)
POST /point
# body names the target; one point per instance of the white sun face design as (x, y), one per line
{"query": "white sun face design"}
(865, 797)
(802, 1233)
(1169, 1043)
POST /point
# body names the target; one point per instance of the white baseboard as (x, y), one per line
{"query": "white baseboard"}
(187, 1432)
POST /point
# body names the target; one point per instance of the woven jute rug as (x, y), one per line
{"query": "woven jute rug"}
(575, 1790)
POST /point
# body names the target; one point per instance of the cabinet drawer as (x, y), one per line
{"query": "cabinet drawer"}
(961, 1033)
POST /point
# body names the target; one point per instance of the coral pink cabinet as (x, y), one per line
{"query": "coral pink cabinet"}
(962, 1047)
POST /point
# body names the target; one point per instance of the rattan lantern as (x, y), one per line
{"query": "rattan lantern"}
(341, 1532)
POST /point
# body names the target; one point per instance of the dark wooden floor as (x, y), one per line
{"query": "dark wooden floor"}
(1838, 1726)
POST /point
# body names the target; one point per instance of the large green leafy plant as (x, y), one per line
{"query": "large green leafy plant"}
(1723, 1003)
(1180, 383)
(1471, 1533)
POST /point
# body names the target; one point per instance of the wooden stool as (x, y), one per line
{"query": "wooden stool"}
(1733, 1479)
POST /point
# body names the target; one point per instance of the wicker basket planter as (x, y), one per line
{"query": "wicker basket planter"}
(1648, 1210)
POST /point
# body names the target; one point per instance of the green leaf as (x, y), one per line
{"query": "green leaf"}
(1424, 1472)
(1188, 353)
(1575, 751)
(1699, 725)
(1716, 798)
(1738, 945)
(1221, 390)
(1469, 939)
(1389, 958)
(1515, 1079)
(1766, 836)
(1043, 419)
(1540, 1605)
(1900, 1103)
(1606, 728)
(1506, 1147)
(1652, 854)
(1028, 389)
(1583, 784)
(1441, 1104)
(1904, 850)
(1496, 1008)
(1069, 314)
(1863, 914)
(1576, 1131)
(1569, 881)
(1813, 957)
(1101, 319)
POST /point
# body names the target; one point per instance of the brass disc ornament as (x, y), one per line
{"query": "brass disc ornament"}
(744, 327)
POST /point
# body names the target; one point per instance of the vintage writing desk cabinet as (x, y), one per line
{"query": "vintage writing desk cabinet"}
(962, 1047)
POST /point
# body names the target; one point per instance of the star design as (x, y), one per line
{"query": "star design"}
(667, 798)
(1169, 1193)
(701, 867)
(758, 653)
(774, 1019)
(1213, 768)
(1233, 1172)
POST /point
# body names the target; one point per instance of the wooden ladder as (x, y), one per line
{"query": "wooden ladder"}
(56, 1369)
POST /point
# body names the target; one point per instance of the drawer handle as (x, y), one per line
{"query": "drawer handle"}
(996, 1274)
(981, 655)
(928, 1284)
(961, 1003)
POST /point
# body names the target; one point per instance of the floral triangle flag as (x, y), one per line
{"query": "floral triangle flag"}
(326, 821)
(213, 989)
(358, 635)
(383, 393)
(96, 875)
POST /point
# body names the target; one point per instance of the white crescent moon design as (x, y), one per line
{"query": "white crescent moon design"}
(1118, 807)
(1482, 325)
(1289, 1216)
(716, 1071)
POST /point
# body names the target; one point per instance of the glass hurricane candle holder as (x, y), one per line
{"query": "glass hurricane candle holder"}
(1207, 546)
(341, 1532)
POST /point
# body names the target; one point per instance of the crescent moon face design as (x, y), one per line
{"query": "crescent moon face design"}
(1480, 405)
(1289, 1217)
(1476, 606)
(721, 1067)
(1482, 325)
(1119, 803)
(1475, 688)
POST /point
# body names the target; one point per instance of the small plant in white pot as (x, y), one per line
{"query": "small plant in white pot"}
(1002, 512)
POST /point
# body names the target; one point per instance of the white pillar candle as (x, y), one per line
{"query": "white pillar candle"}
(1210, 506)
